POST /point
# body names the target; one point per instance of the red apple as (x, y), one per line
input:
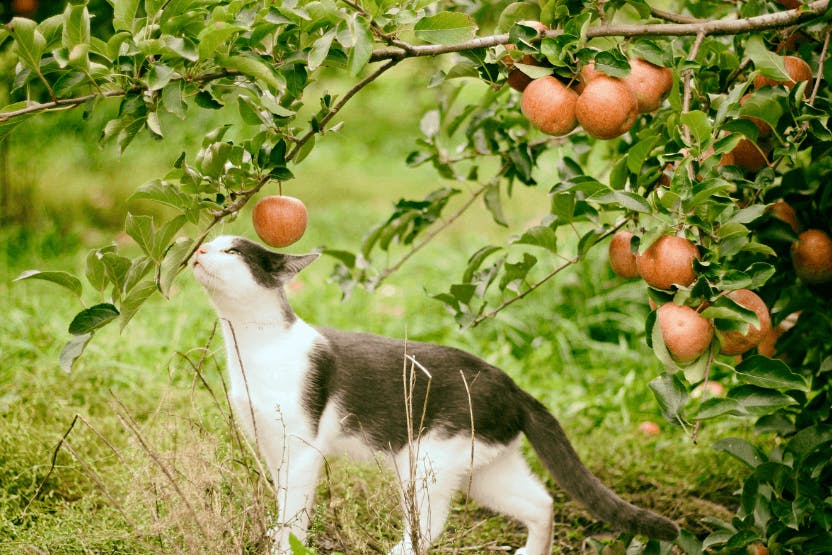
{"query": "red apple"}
(279, 220)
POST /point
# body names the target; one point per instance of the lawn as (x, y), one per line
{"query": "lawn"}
(134, 450)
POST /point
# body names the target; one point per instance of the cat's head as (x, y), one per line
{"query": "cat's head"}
(240, 274)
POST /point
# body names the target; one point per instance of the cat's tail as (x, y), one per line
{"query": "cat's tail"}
(557, 454)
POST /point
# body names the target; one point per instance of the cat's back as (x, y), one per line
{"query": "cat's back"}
(373, 377)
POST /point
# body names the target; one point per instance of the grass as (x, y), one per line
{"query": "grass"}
(153, 464)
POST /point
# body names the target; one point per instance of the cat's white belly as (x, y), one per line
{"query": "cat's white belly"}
(433, 448)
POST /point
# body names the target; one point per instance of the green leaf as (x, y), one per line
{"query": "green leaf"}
(139, 267)
(624, 199)
(639, 152)
(699, 124)
(72, 350)
(539, 236)
(476, 260)
(494, 204)
(134, 300)
(767, 62)
(763, 107)
(515, 273)
(535, 72)
(124, 14)
(671, 395)
(76, 27)
(252, 67)
(63, 279)
(320, 49)
(216, 38)
(719, 406)
(740, 449)
(809, 440)
(183, 47)
(116, 267)
(29, 41)
(771, 373)
(446, 28)
(95, 271)
(515, 12)
(613, 63)
(159, 76)
(140, 228)
(346, 258)
(724, 308)
(125, 128)
(164, 235)
(759, 401)
(171, 265)
(92, 318)
(463, 292)
(359, 54)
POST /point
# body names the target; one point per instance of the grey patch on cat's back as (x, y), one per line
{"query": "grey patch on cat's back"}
(316, 387)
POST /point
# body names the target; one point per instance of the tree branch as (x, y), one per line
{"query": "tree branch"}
(555, 271)
(56, 104)
(337, 108)
(402, 50)
(705, 26)
(386, 272)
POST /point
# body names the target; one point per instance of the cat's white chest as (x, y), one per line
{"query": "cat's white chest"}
(267, 366)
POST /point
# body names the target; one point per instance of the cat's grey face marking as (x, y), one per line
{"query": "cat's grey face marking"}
(236, 270)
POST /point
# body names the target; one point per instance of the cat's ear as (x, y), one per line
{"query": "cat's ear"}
(294, 263)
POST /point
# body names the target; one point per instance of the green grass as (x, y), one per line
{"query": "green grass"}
(152, 464)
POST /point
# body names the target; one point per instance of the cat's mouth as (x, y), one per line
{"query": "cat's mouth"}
(202, 274)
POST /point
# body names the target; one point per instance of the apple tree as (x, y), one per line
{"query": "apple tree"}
(735, 160)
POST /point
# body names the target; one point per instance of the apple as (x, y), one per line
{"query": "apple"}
(279, 220)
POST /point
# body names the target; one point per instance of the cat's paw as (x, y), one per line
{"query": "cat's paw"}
(521, 551)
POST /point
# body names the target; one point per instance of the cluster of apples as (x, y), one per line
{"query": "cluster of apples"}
(811, 252)
(687, 334)
(746, 154)
(604, 106)
(668, 262)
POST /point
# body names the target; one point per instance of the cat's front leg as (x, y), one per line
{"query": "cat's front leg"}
(296, 481)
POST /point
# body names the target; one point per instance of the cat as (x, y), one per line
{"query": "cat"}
(304, 393)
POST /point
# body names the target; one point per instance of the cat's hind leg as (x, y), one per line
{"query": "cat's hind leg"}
(428, 478)
(507, 485)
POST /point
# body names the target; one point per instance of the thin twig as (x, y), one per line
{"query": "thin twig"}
(473, 436)
(555, 271)
(694, 434)
(819, 78)
(430, 235)
(51, 467)
(245, 383)
(687, 93)
(337, 108)
(65, 103)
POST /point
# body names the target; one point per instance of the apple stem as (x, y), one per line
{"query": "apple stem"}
(280, 188)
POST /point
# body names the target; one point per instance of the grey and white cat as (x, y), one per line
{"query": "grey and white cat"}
(304, 393)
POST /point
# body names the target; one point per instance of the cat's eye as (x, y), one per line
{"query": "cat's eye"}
(232, 250)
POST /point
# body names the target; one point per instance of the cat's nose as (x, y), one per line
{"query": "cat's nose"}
(201, 250)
